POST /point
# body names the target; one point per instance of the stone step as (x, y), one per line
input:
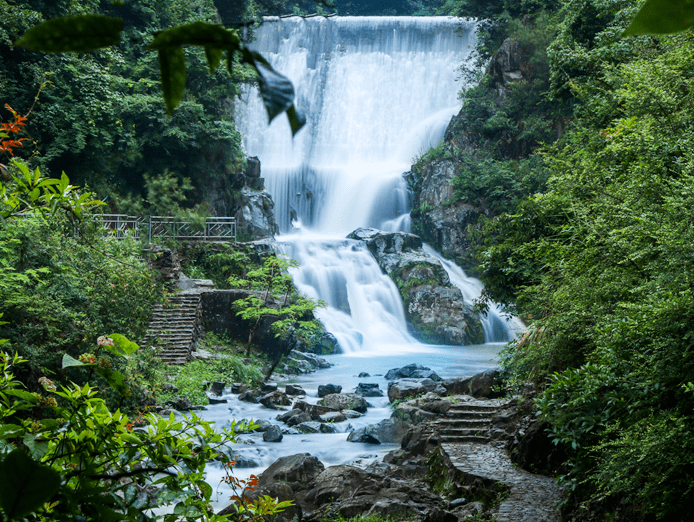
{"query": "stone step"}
(464, 439)
(463, 423)
(472, 406)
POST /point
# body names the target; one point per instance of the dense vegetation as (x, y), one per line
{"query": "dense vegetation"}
(592, 242)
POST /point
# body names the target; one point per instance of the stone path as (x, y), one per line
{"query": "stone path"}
(176, 328)
(533, 498)
(468, 421)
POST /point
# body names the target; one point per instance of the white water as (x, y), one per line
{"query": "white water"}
(376, 92)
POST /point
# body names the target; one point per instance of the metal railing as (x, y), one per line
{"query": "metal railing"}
(214, 228)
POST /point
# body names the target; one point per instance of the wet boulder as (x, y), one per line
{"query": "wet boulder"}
(344, 401)
(294, 389)
(368, 390)
(415, 371)
(388, 431)
(275, 399)
(298, 419)
(328, 389)
(273, 434)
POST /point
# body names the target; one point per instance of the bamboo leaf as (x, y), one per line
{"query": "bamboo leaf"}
(172, 64)
(78, 34)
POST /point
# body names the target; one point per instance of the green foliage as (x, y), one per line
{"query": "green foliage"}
(82, 460)
(189, 377)
(276, 297)
(601, 264)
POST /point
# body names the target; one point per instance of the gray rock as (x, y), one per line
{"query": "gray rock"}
(298, 419)
(250, 396)
(404, 389)
(344, 401)
(273, 434)
(294, 389)
(334, 416)
(368, 390)
(284, 417)
(268, 387)
(274, 399)
(169, 387)
(298, 471)
(334, 483)
(388, 431)
(416, 371)
(263, 425)
(180, 404)
(237, 387)
(458, 502)
(217, 388)
(309, 427)
(217, 401)
(327, 428)
(351, 414)
(327, 389)
(363, 374)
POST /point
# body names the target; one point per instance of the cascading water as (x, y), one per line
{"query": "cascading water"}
(377, 92)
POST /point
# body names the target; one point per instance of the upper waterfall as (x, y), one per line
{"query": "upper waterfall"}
(376, 92)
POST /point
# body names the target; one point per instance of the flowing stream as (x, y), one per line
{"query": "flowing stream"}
(377, 93)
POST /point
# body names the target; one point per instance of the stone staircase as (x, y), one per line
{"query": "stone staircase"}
(467, 422)
(175, 328)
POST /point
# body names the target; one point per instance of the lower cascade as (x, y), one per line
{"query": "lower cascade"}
(376, 92)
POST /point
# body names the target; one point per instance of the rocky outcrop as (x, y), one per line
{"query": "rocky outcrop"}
(241, 194)
(436, 311)
(441, 220)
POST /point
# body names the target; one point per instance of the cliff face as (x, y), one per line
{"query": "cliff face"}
(242, 195)
(438, 217)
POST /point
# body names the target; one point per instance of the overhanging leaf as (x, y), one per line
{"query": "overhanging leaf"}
(275, 88)
(10, 431)
(25, 485)
(197, 33)
(78, 34)
(172, 64)
(296, 120)
(214, 58)
(662, 17)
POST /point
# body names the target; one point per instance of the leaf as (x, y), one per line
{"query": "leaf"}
(10, 431)
(37, 448)
(123, 346)
(115, 379)
(77, 34)
(27, 396)
(172, 65)
(662, 17)
(69, 361)
(206, 489)
(296, 121)
(198, 33)
(214, 58)
(25, 485)
(275, 89)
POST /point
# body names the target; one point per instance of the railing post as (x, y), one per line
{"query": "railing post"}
(149, 232)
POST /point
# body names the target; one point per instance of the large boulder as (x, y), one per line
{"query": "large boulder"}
(414, 370)
(327, 389)
(368, 390)
(344, 401)
(334, 483)
(483, 385)
(435, 310)
(275, 399)
(273, 434)
(388, 431)
(297, 471)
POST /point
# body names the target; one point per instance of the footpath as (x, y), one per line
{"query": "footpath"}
(465, 444)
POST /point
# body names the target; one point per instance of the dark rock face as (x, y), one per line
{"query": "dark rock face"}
(407, 388)
(217, 388)
(436, 311)
(297, 471)
(536, 452)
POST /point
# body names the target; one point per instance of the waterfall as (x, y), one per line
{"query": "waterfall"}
(377, 92)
